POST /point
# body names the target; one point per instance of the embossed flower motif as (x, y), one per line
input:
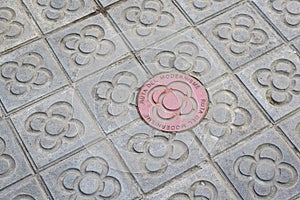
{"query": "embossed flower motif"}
(23, 197)
(204, 4)
(54, 126)
(158, 151)
(91, 181)
(265, 171)
(172, 101)
(9, 28)
(199, 190)
(240, 34)
(149, 17)
(25, 75)
(87, 46)
(117, 94)
(281, 81)
(56, 9)
(289, 9)
(184, 59)
(7, 163)
(225, 115)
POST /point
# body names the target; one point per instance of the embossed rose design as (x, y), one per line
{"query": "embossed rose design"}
(289, 9)
(117, 94)
(25, 75)
(56, 9)
(265, 171)
(9, 28)
(7, 163)
(149, 17)
(54, 126)
(87, 46)
(204, 4)
(240, 34)
(199, 190)
(159, 151)
(184, 59)
(225, 115)
(281, 81)
(91, 181)
(172, 101)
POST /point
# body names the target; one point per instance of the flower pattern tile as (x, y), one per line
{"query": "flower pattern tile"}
(94, 173)
(263, 168)
(55, 127)
(52, 14)
(187, 53)
(275, 81)
(148, 21)
(240, 35)
(154, 157)
(106, 3)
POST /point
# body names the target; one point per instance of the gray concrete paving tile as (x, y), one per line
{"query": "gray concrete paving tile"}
(12, 160)
(291, 128)
(240, 35)
(263, 168)
(231, 117)
(16, 26)
(52, 14)
(205, 183)
(106, 3)
(198, 10)
(154, 157)
(88, 46)
(27, 74)
(94, 173)
(111, 94)
(284, 14)
(148, 21)
(274, 80)
(187, 52)
(55, 127)
(28, 189)
(296, 44)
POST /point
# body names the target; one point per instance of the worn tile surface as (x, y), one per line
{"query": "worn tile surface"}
(107, 2)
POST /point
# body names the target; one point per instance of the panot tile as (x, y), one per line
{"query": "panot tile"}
(94, 173)
(55, 127)
(274, 80)
(263, 168)
(155, 157)
(231, 116)
(16, 26)
(147, 21)
(187, 52)
(14, 166)
(106, 3)
(296, 44)
(240, 35)
(111, 95)
(52, 14)
(88, 46)
(27, 74)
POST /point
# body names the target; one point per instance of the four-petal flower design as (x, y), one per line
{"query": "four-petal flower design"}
(149, 17)
(289, 10)
(87, 46)
(240, 34)
(159, 151)
(54, 126)
(91, 181)
(8, 164)
(25, 75)
(265, 171)
(281, 81)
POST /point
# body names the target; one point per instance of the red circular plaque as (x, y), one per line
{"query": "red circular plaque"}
(172, 102)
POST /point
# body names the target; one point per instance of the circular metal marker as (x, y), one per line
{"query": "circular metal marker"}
(172, 102)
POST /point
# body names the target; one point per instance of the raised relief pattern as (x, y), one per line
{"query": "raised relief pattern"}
(265, 172)
(9, 27)
(7, 163)
(149, 17)
(240, 35)
(280, 81)
(25, 74)
(54, 127)
(88, 46)
(203, 5)
(90, 181)
(24, 197)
